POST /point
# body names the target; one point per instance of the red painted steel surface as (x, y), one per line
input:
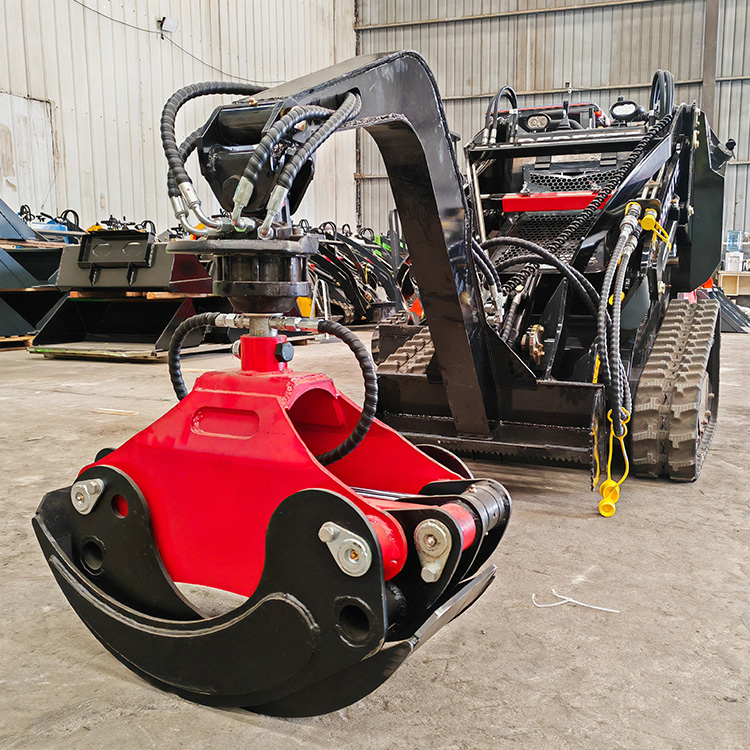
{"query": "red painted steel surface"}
(215, 467)
(573, 200)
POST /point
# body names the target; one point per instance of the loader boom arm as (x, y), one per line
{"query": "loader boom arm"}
(402, 111)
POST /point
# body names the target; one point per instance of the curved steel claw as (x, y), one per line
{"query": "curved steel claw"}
(310, 640)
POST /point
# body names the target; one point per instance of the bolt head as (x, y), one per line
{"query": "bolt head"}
(431, 572)
(328, 532)
(284, 352)
(84, 494)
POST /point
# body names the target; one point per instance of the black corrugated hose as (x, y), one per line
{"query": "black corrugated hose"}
(279, 129)
(371, 391)
(348, 109)
(203, 320)
(366, 364)
(173, 105)
(186, 148)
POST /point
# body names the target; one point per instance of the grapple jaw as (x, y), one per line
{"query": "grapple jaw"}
(309, 641)
(341, 583)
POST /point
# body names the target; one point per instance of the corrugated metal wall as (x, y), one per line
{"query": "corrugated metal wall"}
(605, 49)
(733, 107)
(106, 72)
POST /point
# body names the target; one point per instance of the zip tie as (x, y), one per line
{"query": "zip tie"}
(568, 600)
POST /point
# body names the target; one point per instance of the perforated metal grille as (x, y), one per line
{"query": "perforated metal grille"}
(542, 229)
(561, 183)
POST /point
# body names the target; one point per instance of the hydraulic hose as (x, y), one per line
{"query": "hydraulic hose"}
(616, 365)
(490, 114)
(609, 358)
(264, 149)
(483, 267)
(172, 107)
(348, 109)
(576, 277)
(511, 96)
(371, 391)
(564, 269)
(485, 264)
(279, 129)
(284, 181)
(175, 346)
(366, 364)
(510, 318)
(186, 148)
(661, 99)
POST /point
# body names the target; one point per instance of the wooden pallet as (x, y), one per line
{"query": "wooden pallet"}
(10, 343)
(124, 352)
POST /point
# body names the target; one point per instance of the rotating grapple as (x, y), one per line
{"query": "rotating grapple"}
(349, 545)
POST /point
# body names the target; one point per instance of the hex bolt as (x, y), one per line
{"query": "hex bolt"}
(431, 572)
(284, 352)
(328, 532)
(84, 495)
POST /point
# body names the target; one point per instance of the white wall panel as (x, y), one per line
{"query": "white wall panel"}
(26, 150)
(736, 194)
(106, 73)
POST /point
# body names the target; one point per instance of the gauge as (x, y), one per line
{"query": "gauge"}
(537, 122)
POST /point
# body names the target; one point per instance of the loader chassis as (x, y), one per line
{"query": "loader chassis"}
(547, 403)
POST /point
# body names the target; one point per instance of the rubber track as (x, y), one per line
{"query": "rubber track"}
(413, 357)
(665, 436)
(399, 318)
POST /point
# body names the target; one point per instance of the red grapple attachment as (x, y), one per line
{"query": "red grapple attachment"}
(346, 568)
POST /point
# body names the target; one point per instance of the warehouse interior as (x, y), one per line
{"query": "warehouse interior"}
(368, 391)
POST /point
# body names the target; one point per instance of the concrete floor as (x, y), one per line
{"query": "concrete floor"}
(671, 670)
